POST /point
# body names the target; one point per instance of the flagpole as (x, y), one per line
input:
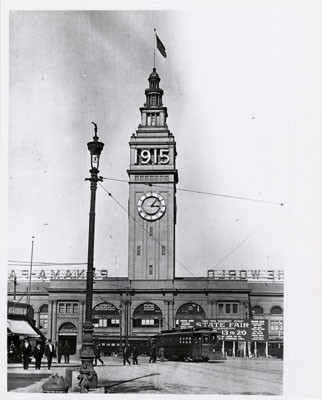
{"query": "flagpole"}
(154, 48)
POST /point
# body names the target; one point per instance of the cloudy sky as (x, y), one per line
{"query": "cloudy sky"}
(236, 81)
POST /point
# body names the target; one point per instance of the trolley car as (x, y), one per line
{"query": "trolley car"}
(189, 345)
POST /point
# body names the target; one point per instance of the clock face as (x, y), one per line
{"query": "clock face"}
(151, 206)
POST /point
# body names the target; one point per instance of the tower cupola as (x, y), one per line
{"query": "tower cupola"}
(153, 113)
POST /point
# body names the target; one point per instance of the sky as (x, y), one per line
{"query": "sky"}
(233, 83)
(231, 88)
(243, 87)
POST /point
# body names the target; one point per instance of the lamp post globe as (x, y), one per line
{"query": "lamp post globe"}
(88, 376)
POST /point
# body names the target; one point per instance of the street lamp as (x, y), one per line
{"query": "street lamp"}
(88, 376)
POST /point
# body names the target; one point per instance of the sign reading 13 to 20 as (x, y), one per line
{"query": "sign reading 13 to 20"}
(151, 156)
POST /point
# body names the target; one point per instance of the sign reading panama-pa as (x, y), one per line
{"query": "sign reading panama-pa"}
(231, 329)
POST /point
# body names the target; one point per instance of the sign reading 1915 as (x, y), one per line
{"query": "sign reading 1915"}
(151, 156)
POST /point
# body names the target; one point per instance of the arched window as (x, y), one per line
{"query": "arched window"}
(106, 315)
(276, 310)
(43, 316)
(67, 327)
(147, 315)
(257, 310)
(190, 311)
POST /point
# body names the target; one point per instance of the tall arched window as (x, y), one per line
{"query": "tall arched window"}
(147, 315)
(276, 310)
(106, 315)
(43, 316)
(257, 310)
(190, 311)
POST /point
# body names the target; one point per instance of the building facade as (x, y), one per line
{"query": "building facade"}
(152, 298)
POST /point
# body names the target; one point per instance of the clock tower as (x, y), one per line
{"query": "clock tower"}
(152, 185)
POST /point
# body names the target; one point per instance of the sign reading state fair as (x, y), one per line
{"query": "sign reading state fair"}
(231, 329)
(49, 275)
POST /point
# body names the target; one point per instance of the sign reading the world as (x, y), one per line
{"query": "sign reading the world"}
(253, 275)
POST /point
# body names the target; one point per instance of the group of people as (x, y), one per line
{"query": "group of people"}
(128, 351)
(49, 351)
(40, 351)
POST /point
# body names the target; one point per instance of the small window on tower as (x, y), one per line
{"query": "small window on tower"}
(163, 250)
(150, 269)
(138, 250)
(151, 231)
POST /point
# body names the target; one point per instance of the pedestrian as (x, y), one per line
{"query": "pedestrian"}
(59, 351)
(38, 354)
(135, 354)
(12, 352)
(66, 352)
(50, 352)
(98, 355)
(26, 352)
(153, 354)
(161, 353)
(126, 354)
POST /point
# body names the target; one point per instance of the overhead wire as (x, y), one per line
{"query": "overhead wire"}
(205, 193)
(159, 243)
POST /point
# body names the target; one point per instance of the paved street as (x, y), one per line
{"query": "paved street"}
(233, 376)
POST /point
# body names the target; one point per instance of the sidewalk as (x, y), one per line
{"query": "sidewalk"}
(103, 371)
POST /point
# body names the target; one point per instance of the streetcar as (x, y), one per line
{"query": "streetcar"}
(189, 345)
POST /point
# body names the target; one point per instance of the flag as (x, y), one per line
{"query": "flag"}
(161, 47)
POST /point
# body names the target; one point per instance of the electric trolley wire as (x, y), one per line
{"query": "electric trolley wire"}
(205, 193)
(143, 228)
(239, 245)
(40, 263)
(157, 241)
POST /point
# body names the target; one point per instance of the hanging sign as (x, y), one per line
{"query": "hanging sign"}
(58, 274)
(231, 329)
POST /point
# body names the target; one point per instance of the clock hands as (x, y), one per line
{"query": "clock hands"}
(154, 203)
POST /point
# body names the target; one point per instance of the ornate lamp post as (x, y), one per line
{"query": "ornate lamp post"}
(88, 376)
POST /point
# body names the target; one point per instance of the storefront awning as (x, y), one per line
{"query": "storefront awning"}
(21, 328)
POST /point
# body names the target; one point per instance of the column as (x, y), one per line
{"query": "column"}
(210, 309)
(54, 323)
(36, 318)
(165, 315)
(80, 330)
(129, 317)
(143, 119)
(172, 316)
(255, 349)
(266, 349)
(234, 351)
(162, 118)
(223, 348)
(50, 318)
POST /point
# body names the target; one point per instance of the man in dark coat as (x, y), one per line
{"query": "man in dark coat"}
(50, 352)
(59, 352)
(153, 354)
(135, 354)
(38, 353)
(26, 352)
(66, 352)
(98, 354)
(126, 355)
(12, 352)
